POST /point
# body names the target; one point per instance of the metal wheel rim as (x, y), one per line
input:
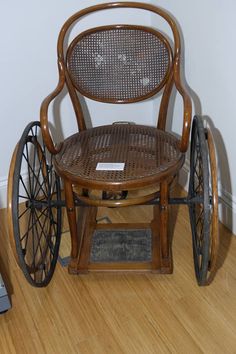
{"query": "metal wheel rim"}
(200, 220)
(40, 271)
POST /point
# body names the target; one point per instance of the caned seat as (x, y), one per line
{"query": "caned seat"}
(147, 153)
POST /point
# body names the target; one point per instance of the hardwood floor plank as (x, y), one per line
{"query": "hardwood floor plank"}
(118, 313)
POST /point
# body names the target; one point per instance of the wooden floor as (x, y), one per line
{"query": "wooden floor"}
(117, 313)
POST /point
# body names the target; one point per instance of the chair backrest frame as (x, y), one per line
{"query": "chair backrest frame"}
(173, 79)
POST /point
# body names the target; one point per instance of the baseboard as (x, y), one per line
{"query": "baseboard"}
(227, 202)
(3, 192)
(227, 209)
(3, 188)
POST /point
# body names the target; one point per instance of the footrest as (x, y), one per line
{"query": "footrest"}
(121, 246)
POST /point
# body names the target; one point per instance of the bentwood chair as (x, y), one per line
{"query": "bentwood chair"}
(115, 165)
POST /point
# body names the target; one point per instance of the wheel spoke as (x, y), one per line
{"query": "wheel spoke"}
(24, 186)
(34, 167)
(27, 161)
(40, 184)
(23, 197)
(38, 245)
(33, 246)
(34, 175)
(32, 226)
(43, 252)
(200, 216)
(47, 239)
(27, 232)
(23, 212)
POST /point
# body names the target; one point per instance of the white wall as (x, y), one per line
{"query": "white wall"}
(209, 29)
(28, 70)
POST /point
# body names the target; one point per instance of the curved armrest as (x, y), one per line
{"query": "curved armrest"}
(186, 121)
(44, 112)
(187, 108)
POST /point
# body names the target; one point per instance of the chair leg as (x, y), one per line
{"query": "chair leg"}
(81, 231)
(165, 251)
(164, 219)
(71, 214)
(86, 226)
(155, 224)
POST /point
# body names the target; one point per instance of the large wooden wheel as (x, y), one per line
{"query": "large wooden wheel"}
(33, 211)
(203, 202)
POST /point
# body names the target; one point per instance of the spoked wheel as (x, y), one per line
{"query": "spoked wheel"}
(203, 202)
(34, 212)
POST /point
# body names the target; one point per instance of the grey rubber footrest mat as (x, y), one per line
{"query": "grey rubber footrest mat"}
(121, 246)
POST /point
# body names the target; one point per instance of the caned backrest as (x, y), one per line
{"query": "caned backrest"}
(120, 63)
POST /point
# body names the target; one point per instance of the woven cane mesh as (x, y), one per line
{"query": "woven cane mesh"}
(118, 64)
(145, 151)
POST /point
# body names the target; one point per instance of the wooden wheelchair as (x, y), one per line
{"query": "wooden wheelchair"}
(115, 165)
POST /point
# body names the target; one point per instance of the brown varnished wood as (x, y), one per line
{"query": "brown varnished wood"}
(164, 219)
(44, 111)
(86, 242)
(82, 228)
(122, 226)
(141, 267)
(75, 102)
(9, 203)
(71, 215)
(87, 220)
(113, 5)
(150, 181)
(156, 246)
(118, 203)
(78, 111)
(81, 224)
(177, 55)
(161, 248)
(161, 123)
(215, 219)
(187, 115)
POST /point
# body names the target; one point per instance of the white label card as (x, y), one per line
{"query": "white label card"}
(110, 166)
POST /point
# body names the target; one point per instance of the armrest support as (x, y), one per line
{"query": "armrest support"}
(187, 118)
(187, 107)
(44, 112)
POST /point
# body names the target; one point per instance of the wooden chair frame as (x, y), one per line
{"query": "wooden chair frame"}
(81, 239)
